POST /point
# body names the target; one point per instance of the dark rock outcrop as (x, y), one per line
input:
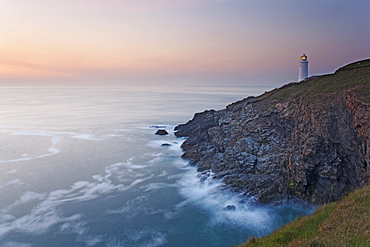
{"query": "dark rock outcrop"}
(230, 208)
(161, 132)
(305, 140)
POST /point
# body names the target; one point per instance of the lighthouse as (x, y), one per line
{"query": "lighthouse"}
(303, 68)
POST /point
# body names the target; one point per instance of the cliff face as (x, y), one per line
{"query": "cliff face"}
(308, 140)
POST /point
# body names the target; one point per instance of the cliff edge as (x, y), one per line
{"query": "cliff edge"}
(307, 140)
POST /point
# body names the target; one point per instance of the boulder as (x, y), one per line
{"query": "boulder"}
(230, 208)
(161, 132)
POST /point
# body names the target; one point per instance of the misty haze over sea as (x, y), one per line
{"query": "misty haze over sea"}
(82, 167)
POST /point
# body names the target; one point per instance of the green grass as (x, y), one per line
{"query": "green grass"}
(340, 224)
(356, 64)
(323, 87)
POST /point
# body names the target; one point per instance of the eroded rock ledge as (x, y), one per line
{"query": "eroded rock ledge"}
(305, 140)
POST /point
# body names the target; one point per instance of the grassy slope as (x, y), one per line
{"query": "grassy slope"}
(353, 77)
(344, 223)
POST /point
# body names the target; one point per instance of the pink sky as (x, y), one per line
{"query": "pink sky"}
(208, 42)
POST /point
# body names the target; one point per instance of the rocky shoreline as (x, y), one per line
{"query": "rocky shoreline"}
(306, 140)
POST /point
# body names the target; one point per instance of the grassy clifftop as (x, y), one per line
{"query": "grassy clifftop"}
(343, 223)
(353, 77)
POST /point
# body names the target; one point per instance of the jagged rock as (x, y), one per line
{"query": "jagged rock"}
(166, 145)
(161, 132)
(230, 208)
(305, 140)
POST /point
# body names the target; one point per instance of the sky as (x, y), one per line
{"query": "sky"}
(177, 42)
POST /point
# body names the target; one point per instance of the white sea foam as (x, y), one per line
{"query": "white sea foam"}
(114, 243)
(51, 150)
(78, 227)
(154, 186)
(45, 214)
(148, 238)
(131, 208)
(88, 137)
(41, 217)
(27, 197)
(90, 240)
(208, 195)
(55, 139)
(4, 218)
(81, 229)
(11, 182)
(38, 221)
(123, 130)
(58, 135)
(157, 239)
(16, 244)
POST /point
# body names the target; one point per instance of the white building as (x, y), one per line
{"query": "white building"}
(303, 68)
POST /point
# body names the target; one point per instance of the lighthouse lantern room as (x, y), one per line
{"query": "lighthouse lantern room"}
(303, 68)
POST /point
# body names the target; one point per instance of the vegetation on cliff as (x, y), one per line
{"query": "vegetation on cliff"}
(338, 224)
(307, 140)
(353, 77)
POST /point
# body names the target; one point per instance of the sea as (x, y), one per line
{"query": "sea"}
(82, 166)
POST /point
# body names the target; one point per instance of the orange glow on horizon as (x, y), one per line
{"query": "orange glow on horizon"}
(183, 38)
(40, 59)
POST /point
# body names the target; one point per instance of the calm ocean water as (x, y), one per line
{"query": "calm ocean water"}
(82, 167)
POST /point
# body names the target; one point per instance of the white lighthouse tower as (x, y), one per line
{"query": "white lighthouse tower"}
(303, 68)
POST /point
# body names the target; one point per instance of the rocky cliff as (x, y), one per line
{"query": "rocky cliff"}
(307, 140)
